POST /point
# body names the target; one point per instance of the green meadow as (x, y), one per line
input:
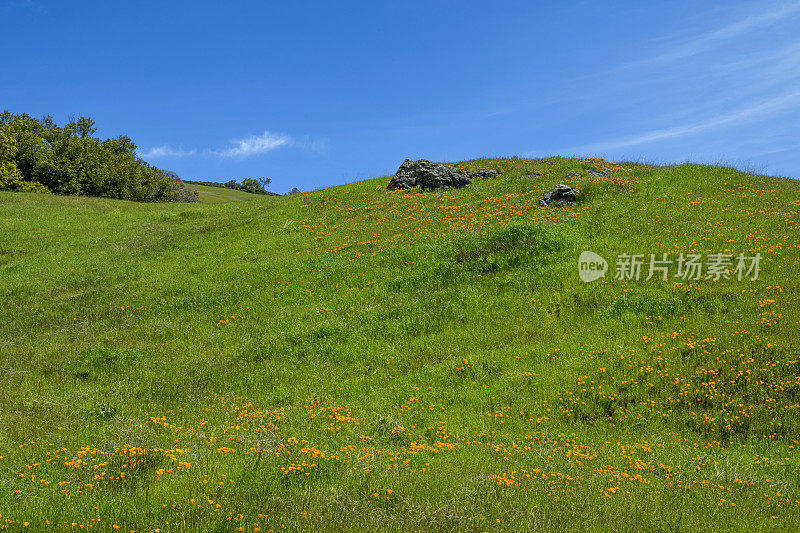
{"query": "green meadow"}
(359, 359)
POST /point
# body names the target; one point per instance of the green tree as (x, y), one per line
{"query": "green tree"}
(71, 160)
(255, 186)
(10, 177)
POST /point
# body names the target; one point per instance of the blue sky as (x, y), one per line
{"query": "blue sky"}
(313, 94)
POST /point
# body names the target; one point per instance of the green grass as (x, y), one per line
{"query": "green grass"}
(357, 359)
(218, 195)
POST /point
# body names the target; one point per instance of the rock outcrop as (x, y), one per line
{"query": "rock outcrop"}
(428, 175)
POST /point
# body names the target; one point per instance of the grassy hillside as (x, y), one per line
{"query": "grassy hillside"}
(357, 359)
(218, 195)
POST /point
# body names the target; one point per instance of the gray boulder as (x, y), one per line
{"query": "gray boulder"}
(428, 175)
(562, 195)
(437, 176)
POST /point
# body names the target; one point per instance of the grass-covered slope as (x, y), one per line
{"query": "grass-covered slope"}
(357, 359)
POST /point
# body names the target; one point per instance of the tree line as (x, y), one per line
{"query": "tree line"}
(253, 186)
(38, 155)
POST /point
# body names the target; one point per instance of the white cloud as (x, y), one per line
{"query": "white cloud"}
(166, 151)
(750, 113)
(254, 145)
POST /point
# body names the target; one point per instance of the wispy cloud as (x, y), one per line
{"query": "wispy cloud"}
(709, 39)
(742, 115)
(251, 146)
(777, 62)
(254, 145)
(166, 151)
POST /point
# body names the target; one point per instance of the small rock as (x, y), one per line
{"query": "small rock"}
(573, 175)
(562, 195)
